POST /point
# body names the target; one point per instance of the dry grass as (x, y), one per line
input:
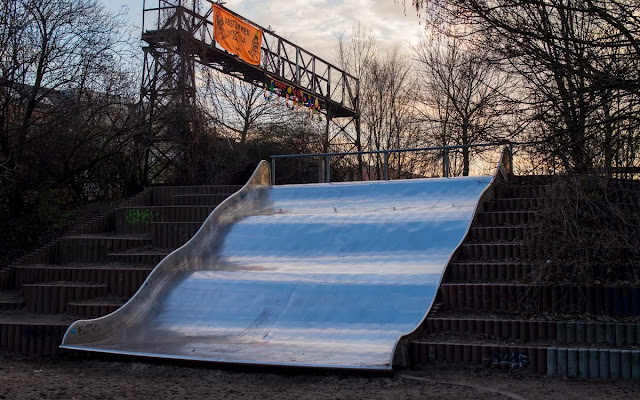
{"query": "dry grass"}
(588, 231)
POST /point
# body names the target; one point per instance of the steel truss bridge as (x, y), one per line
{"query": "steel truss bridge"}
(179, 34)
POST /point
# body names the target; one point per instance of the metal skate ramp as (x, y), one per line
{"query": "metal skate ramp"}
(317, 275)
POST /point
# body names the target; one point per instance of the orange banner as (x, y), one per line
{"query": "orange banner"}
(236, 35)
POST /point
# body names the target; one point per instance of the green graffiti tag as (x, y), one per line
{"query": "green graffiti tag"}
(137, 216)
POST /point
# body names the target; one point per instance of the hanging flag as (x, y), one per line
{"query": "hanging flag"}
(236, 35)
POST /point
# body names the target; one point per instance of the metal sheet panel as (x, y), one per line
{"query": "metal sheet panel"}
(324, 275)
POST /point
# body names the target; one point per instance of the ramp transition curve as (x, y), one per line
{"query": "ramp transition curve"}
(318, 275)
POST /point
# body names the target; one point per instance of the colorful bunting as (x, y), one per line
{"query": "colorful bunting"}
(294, 98)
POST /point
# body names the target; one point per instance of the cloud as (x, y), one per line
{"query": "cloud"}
(316, 24)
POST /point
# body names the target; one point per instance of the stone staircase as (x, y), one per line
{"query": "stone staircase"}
(493, 311)
(94, 270)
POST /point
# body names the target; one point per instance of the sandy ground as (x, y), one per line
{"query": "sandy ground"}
(74, 377)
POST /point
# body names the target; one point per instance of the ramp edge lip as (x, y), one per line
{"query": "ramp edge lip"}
(231, 362)
(503, 151)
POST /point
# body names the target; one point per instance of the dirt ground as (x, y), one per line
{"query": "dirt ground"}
(73, 377)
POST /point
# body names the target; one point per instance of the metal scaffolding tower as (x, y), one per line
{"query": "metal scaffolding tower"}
(179, 33)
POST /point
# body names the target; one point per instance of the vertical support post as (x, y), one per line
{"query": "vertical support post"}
(386, 166)
(179, 13)
(356, 106)
(297, 79)
(327, 136)
(280, 60)
(313, 73)
(273, 171)
(144, 7)
(326, 170)
(511, 159)
(445, 162)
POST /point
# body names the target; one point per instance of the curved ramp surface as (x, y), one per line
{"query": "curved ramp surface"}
(322, 275)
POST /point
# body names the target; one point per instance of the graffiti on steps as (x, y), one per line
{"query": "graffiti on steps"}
(509, 359)
(136, 216)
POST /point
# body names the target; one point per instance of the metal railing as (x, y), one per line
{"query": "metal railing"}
(325, 177)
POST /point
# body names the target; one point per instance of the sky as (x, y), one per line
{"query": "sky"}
(315, 25)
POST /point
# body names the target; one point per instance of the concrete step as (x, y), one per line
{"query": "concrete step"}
(32, 336)
(485, 272)
(525, 272)
(94, 248)
(493, 251)
(205, 189)
(162, 195)
(565, 332)
(500, 218)
(531, 179)
(95, 308)
(171, 235)
(122, 280)
(11, 300)
(139, 219)
(594, 363)
(499, 233)
(53, 297)
(150, 257)
(609, 273)
(525, 191)
(6, 278)
(596, 300)
(514, 204)
(210, 200)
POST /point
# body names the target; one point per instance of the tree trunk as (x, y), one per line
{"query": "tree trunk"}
(465, 150)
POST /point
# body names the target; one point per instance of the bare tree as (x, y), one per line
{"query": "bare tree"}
(388, 116)
(356, 52)
(462, 94)
(238, 106)
(53, 53)
(387, 91)
(580, 61)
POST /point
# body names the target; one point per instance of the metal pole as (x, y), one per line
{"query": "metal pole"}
(326, 169)
(446, 162)
(297, 66)
(273, 171)
(280, 61)
(511, 159)
(144, 7)
(313, 73)
(386, 166)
